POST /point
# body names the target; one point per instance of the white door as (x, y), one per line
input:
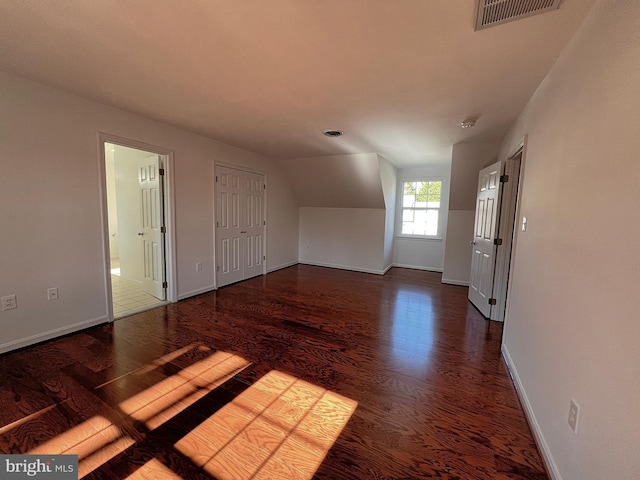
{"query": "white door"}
(254, 223)
(240, 225)
(483, 259)
(151, 218)
(228, 227)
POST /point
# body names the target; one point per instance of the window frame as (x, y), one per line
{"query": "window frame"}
(441, 209)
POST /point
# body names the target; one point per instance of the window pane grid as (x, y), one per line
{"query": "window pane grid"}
(420, 207)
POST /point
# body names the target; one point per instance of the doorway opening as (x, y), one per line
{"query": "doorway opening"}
(134, 180)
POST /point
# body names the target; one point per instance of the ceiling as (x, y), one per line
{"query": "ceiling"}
(398, 76)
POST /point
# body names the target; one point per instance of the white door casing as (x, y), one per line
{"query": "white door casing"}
(240, 225)
(485, 230)
(107, 142)
(151, 223)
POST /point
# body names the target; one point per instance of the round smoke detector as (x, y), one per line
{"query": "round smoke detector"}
(333, 133)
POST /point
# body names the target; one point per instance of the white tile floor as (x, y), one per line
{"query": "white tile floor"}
(128, 297)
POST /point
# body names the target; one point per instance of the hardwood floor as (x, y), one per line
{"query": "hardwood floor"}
(307, 372)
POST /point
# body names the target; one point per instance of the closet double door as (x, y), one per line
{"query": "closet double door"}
(240, 225)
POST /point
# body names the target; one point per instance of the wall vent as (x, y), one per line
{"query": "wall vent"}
(495, 12)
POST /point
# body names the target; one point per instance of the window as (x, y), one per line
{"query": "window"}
(421, 200)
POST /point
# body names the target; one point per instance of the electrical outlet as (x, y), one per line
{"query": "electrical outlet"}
(524, 224)
(52, 294)
(574, 411)
(9, 302)
(198, 266)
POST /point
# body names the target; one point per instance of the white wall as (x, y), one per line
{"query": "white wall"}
(457, 254)
(467, 159)
(389, 180)
(50, 197)
(418, 253)
(282, 222)
(348, 238)
(572, 328)
(343, 210)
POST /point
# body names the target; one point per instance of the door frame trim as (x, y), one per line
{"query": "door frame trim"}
(169, 213)
(513, 202)
(266, 209)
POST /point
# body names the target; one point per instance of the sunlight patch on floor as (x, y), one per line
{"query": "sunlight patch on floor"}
(154, 470)
(95, 441)
(170, 396)
(280, 427)
(98, 440)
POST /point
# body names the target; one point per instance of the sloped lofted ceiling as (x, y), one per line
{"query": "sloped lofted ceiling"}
(269, 76)
(338, 181)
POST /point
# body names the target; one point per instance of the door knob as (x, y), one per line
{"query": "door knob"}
(472, 242)
(140, 234)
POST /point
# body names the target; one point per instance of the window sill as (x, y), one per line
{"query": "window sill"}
(418, 237)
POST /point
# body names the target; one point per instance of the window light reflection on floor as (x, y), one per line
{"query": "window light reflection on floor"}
(98, 440)
(158, 362)
(95, 441)
(154, 470)
(280, 427)
(167, 398)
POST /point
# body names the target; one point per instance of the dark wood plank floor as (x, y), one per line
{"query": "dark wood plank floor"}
(306, 372)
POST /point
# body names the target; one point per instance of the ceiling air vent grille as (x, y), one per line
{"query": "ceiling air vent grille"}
(333, 133)
(495, 12)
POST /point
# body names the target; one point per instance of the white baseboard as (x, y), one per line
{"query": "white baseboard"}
(450, 281)
(533, 422)
(209, 288)
(284, 265)
(48, 335)
(417, 267)
(198, 291)
(344, 267)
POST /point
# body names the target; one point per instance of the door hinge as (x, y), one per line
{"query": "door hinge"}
(216, 178)
(163, 229)
(264, 222)
(217, 224)
(492, 301)
(504, 178)
(218, 268)
(164, 285)
(497, 241)
(264, 186)
(264, 257)
(161, 171)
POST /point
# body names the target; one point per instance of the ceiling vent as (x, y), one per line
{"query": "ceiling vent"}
(333, 133)
(495, 12)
